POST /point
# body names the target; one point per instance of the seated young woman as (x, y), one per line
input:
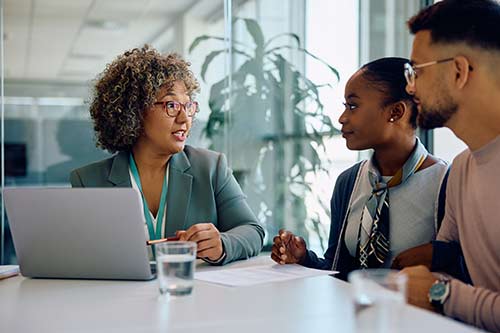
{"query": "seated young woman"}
(384, 205)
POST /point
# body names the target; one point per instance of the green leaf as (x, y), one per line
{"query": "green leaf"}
(249, 67)
(208, 60)
(216, 103)
(202, 38)
(275, 90)
(333, 70)
(294, 36)
(315, 160)
(313, 87)
(291, 77)
(256, 33)
(214, 54)
(305, 184)
(318, 229)
(214, 124)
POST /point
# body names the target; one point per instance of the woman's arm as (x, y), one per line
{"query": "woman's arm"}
(338, 209)
(242, 236)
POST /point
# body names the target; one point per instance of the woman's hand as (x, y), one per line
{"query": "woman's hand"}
(288, 248)
(207, 237)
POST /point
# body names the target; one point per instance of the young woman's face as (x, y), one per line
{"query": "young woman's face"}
(365, 120)
(165, 133)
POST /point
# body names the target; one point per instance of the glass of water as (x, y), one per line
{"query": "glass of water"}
(175, 265)
(379, 297)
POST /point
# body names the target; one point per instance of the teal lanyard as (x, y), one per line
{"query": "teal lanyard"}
(147, 214)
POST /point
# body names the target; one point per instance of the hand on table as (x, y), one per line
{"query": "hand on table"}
(420, 280)
(418, 255)
(288, 248)
(207, 238)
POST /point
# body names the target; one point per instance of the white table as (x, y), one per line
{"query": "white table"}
(318, 304)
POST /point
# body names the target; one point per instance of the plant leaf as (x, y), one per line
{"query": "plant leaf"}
(203, 38)
(290, 34)
(333, 70)
(200, 39)
(217, 96)
(208, 60)
(211, 57)
(255, 31)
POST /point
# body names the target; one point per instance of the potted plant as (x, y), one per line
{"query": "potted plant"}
(277, 125)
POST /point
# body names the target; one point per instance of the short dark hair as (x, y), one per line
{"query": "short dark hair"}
(387, 75)
(474, 22)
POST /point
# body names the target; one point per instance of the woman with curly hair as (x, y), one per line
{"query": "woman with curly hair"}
(143, 109)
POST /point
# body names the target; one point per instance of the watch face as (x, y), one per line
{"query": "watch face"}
(437, 291)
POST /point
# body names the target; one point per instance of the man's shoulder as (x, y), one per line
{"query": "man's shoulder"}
(462, 157)
(460, 161)
(458, 168)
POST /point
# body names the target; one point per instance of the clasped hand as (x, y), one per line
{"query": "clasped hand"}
(288, 248)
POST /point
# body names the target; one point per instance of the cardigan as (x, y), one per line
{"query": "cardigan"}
(446, 257)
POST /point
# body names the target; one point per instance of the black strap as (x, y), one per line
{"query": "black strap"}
(442, 199)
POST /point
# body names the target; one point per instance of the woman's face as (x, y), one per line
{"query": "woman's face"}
(364, 120)
(162, 132)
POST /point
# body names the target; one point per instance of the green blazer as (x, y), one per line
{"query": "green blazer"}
(201, 189)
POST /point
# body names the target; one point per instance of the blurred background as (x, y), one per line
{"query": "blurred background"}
(272, 75)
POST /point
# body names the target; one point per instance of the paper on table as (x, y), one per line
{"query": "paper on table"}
(248, 276)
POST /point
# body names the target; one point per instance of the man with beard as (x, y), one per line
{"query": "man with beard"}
(454, 77)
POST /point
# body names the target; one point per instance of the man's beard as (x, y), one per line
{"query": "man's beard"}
(438, 115)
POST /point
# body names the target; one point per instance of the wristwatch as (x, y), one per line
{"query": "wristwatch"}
(439, 293)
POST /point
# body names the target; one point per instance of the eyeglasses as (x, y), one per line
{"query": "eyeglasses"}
(410, 70)
(173, 108)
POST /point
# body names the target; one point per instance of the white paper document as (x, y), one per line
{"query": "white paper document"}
(8, 271)
(247, 276)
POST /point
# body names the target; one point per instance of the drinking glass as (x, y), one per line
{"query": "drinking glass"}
(379, 297)
(175, 264)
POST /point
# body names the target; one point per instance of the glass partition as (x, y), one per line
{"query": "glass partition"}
(272, 75)
(53, 51)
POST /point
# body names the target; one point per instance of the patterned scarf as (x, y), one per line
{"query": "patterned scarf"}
(373, 236)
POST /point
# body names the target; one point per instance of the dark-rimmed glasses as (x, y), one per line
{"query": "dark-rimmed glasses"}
(173, 108)
(410, 69)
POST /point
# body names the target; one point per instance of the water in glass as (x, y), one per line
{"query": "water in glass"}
(175, 273)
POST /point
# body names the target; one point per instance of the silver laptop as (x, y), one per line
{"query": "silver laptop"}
(84, 233)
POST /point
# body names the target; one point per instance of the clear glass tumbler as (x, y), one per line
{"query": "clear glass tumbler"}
(175, 264)
(379, 297)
